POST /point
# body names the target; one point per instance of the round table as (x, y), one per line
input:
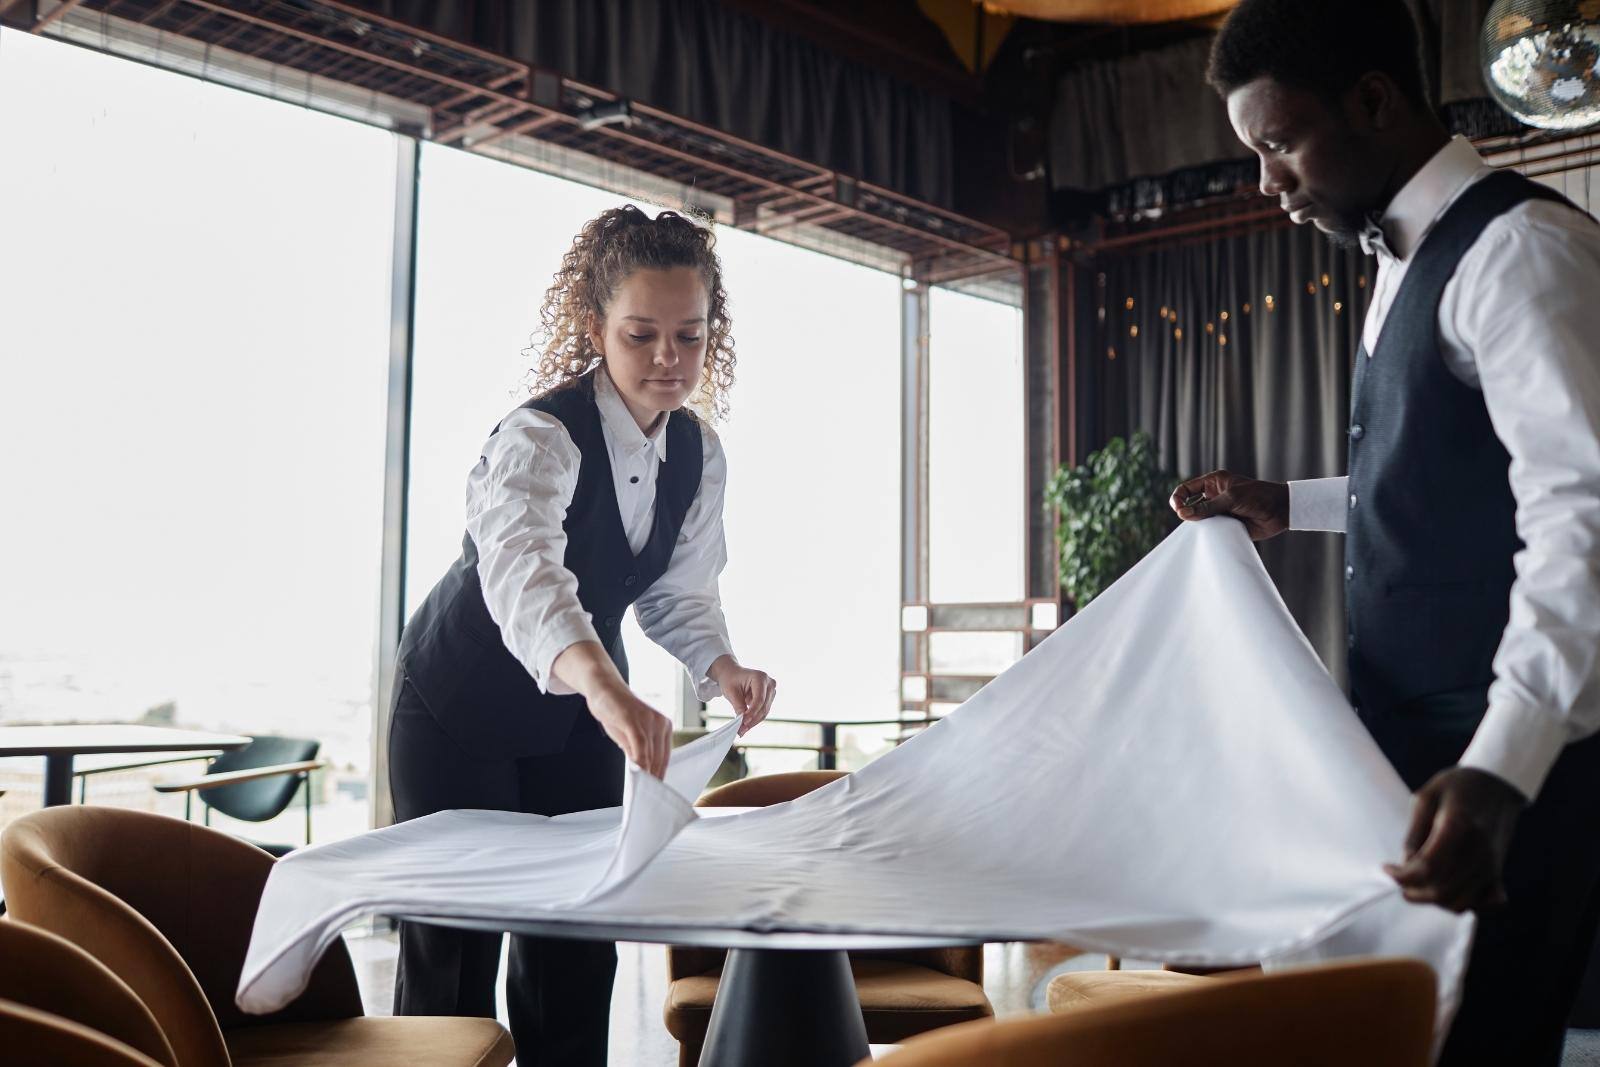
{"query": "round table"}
(786, 999)
(59, 745)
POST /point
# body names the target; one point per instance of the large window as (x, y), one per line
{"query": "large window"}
(812, 588)
(193, 351)
(977, 474)
(976, 456)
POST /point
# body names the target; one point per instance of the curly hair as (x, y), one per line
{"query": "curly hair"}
(1321, 45)
(606, 251)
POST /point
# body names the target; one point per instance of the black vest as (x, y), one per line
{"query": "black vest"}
(1431, 528)
(451, 651)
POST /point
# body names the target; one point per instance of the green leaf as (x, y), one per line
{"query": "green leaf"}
(1113, 511)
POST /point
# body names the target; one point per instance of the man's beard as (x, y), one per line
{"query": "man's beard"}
(1343, 239)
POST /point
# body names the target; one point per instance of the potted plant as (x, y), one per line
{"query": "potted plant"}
(1113, 511)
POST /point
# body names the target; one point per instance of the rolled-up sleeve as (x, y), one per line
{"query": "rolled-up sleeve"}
(682, 610)
(1535, 351)
(517, 500)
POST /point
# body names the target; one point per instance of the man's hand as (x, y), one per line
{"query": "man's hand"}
(642, 732)
(1461, 824)
(1263, 507)
(750, 691)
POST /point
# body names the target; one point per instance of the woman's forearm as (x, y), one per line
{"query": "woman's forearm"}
(587, 670)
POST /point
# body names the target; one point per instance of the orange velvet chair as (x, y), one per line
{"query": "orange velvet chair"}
(59, 1005)
(167, 906)
(902, 992)
(1376, 1013)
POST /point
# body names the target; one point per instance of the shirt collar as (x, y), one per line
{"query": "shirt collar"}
(1419, 203)
(619, 422)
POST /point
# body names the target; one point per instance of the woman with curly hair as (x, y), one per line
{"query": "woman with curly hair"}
(602, 491)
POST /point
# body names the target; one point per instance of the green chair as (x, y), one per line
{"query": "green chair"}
(254, 783)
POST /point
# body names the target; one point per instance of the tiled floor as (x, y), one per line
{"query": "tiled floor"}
(1015, 976)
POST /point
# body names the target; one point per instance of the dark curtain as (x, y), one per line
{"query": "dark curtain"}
(1144, 131)
(1137, 116)
(1236, 353)
(722, 68)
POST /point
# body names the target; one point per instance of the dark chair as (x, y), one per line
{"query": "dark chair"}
(254, 783)
(84, 773)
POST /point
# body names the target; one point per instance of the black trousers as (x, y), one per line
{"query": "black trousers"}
(558, 992)
(1528, 959)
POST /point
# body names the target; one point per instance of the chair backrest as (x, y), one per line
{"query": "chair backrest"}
(769, 789)
(1377, 1013)
(759, 792)
(766, 789)
(264, 798)
(50, 974)
(38, 1037)
(167, 906)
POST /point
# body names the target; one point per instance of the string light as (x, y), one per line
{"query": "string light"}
(1133, 331)
(1225, 316)
(1177, 334)
(1271, 304)
(1111, 353)
(1337, 307)
(1324, 281)
(1222, 339)
(1211, 327)
(1311, 288)
(1246, 308)
(1361, 281)
(1128, 303)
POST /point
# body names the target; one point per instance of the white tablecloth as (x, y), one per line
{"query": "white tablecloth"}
(1172, 776)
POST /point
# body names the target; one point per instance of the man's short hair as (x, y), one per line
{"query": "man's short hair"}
(1325, 46)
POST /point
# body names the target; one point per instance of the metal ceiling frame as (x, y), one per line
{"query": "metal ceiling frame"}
(479, 100)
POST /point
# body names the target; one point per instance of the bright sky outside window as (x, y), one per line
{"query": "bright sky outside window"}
(193, 354)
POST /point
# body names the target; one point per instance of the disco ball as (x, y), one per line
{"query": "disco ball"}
(1541, 61)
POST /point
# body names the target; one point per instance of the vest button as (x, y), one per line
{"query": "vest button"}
(611, 622)
(631, 580)
(1352, 500)
(1357, 432)
(1350, 641)
(1349, 572)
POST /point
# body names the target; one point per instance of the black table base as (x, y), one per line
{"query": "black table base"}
(57, 779)
(785, 1008)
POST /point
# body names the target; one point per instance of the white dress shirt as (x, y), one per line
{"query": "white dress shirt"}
(1520, 321)
(517, 499)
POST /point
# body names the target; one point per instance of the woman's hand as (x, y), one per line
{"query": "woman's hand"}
(749, 691)
(642, 732)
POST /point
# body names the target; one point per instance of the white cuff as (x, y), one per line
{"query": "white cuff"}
(1319, 504)
(704, 688)
(1517, 743)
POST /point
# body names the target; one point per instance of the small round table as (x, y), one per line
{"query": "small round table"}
(786, 999)
(59, 745)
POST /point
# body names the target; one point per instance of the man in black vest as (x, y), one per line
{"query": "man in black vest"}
(1472, 506)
